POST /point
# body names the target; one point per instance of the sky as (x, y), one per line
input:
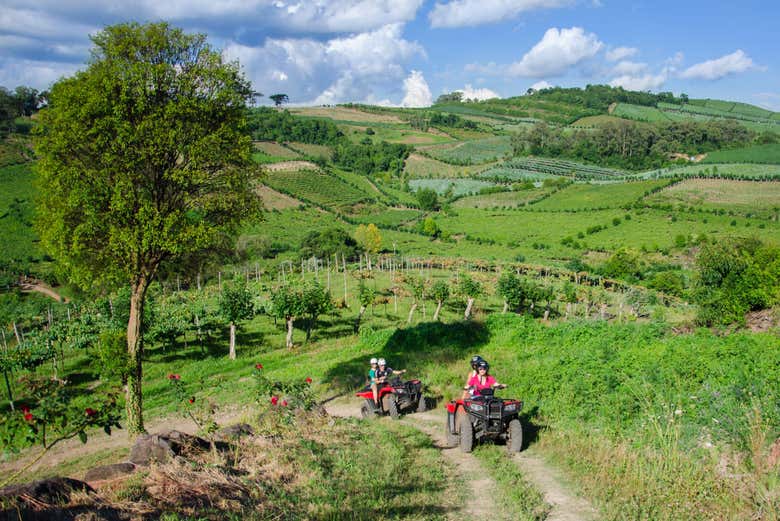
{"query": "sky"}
(408, 52)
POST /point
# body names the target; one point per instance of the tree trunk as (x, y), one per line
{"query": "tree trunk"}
(411, 313)
(438, 309)
(469, 304)
(135, 349)
(232, 341)
(359, 318)
(506, 306)
(289, 338)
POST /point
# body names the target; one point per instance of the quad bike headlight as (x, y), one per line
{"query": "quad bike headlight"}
(476, 407)
(511, 407)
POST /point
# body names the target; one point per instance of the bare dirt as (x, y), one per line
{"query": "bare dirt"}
(290, 165)
(565, 504)
(28, 286)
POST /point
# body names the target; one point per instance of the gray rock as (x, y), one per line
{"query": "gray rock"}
(50, 491)
(109, 471)
(233, 432)
(164, 446)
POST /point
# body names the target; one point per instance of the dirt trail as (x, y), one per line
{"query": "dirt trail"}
(565, 505)
(40, 287)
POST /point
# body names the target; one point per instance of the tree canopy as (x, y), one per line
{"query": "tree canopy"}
(144, 161)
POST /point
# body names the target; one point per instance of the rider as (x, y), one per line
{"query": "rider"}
(372, 380)
(483, 379)
(384, 371)
(474, 361)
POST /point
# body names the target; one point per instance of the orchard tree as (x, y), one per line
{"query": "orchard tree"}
(428, 199)
(470, 289)
(366, 298)
(512, 290)
(440, 293)
(235, 303)
(287, 304)
(369, 239)
(315, 300)
(143, 162)
(417, 289)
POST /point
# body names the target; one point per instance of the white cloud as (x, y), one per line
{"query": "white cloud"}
(621, 53)
(628, 68)
(479, 93)
(540, 85)
(38, 74)
(732, 63)
(461, 13)
(417, 93)
(642, 82)
(558, 50)
(351, 68)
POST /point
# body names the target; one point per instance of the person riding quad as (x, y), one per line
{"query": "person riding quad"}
(384, 371)
(482, 380)
(372, 380)
(476, 359)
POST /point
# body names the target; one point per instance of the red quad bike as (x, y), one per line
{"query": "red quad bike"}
(484, 417)
(394, 396)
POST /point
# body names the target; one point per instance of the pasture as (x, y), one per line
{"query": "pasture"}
(474, 152)
(421, 166)
(584, 196)
(455, 187)
(346, 114)
(742, 170)
(514, 198)
(769, 154)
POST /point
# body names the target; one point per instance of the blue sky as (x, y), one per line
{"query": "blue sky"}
(407, 52)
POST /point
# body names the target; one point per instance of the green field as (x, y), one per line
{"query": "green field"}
(769, 154)
(455, 186)
(585, 196)
(317, 187)
(501, 199)
(473, 152)
(542, 168)
(17, 213)
(745, 197)
(417, 166)
(745, 170)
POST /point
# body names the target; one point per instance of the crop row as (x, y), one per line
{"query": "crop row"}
(545, 167)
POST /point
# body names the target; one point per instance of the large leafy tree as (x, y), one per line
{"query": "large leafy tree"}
(143, 162)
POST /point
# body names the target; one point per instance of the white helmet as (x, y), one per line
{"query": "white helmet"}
(372, 361)
(381, 361)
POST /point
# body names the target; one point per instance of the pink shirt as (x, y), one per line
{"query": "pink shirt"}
(478, 386)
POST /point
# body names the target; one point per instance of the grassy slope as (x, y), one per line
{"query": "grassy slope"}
(755, 154)
(17, 212)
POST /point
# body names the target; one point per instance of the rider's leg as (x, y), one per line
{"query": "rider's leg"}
(376, 394)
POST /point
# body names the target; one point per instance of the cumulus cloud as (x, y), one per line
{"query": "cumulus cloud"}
(479, 93)
(628, 68)
(715, 69)
(416, 91)
(640, 82)
(621, 53)
(558, 50)
(342, 69)
(540, 85)
(461, 13)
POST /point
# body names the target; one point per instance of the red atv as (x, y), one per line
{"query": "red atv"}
(394, 396)
(484, 417)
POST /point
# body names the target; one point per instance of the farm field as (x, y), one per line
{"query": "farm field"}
(479, 151)
(546, 167)
(583, 196)
(455, 186)
(345, 114)
(769, 154)
(393, 134)
(756, 198)
(500, 199)
(309, 150)
(421, 166)
(746, 170)
(274, 149)
(317, 187)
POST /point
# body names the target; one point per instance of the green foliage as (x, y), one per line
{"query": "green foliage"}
(235, 302)
(428, 199)
(429, 227)
(279, 99)
(266, 124)
(512, 290)
(327, 243)
(132, 181)
(734, 277)
(112, 354)
(372, 158)
(468, 287)
(623, 264)
(768, 153)
(440, 291)
(366, 294)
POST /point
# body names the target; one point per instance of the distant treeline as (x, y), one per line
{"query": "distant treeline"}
(630, 145)
(266, 124)
(600, 97)
(22, 101)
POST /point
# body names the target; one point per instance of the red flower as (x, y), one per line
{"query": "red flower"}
(192, 400)
(174, 377)
(90, 412)
(308, 379)
(284, 403)
(24, 409)
(28, 416)
(274, 400)
(258, 366)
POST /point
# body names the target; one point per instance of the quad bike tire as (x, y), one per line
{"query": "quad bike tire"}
(515, 441)
(366, 411)
(422, 404)
(466, 430)
(452, 437)
(391, 406)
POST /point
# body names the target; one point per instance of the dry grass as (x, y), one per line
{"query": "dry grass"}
(273, 200)
(744, 196)
(273, 148)
(345, 114)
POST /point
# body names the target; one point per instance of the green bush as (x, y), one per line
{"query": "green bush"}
(112, 355)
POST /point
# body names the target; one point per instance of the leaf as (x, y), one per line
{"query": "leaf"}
(107, 429)
(83, 436)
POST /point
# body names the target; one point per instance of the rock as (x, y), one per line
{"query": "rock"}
(164, 446)
(233, 432)
(50, 491)
(109, 471)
